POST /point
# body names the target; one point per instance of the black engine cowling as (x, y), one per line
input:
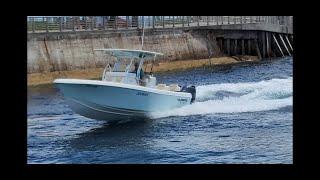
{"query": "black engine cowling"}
(191, 90)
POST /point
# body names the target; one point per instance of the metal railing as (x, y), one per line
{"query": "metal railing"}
(89, 23)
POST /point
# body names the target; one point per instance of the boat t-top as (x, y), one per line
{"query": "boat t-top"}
(125, 91)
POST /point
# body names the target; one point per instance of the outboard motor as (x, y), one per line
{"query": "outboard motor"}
(191, 90)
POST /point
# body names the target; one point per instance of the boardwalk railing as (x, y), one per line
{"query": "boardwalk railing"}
(90, 23)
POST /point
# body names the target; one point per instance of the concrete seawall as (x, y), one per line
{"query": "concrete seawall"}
(74, 51)
(49, 52)
(57, 53)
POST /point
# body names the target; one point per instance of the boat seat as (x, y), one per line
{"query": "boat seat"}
(162, 87)
(174, 87)
(118, 79)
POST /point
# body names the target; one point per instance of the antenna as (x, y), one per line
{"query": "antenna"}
(142, 32)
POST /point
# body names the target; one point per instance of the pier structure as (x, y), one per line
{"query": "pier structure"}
(67, 42)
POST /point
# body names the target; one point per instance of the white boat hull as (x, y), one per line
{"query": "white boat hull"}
(112, 101)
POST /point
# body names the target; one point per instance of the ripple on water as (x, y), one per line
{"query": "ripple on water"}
(242, 115)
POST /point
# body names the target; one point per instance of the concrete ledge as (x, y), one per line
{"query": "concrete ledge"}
(128, 32)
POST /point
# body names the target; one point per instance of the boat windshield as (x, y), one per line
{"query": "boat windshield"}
(125, 58)
(124, 65)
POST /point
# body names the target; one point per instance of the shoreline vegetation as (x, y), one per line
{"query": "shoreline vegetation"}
(35, 79)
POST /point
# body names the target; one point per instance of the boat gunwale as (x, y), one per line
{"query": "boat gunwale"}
(122, 85)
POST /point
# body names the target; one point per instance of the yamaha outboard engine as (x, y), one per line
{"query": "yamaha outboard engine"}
(191, 90)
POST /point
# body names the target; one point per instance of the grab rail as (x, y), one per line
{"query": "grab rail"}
(104, 72)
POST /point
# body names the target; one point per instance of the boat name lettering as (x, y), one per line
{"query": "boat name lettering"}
(183, 100)
(142, 94)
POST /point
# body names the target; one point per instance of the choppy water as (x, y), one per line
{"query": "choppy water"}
(243, 114)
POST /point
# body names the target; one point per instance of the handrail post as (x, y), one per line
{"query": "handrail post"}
(85, 22)
(153, 21)
(33, 24)
(188, 19)
(60, 24)
(240, 19)
(116, 22)
(172, 21)
(265, 19)
(92, 23)
(163, 21)
(274, 19)
(104, 22)
(228, 19)
(207, 20)
(73, 24)
(47, 25)
(198, 20)
(182, 21)
(127, 20)
(43, 23)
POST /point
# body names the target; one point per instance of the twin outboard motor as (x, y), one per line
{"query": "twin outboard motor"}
(191, 90)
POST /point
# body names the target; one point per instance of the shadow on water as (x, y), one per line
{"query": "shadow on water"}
(124, 134)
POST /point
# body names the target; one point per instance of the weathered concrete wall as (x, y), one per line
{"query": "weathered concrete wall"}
(53, 52)
(49, 52)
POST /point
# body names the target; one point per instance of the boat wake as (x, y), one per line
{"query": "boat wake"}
(236, 98)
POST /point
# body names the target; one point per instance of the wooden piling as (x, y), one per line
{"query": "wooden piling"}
(268, 44)
(220, 45)
(249, 46)
(242, 47)
(257, 48)
(263, 44)
(228, 46)
(235, 47)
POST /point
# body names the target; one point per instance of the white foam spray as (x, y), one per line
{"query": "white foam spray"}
(240, 97)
